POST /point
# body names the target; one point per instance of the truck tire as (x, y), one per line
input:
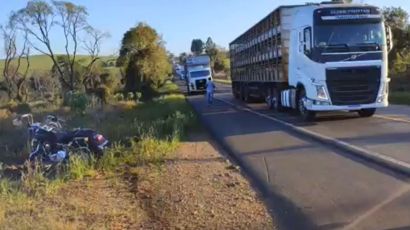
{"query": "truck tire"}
(242, 92)
(235, 91)
(366, 112)
(306, 115)
(246, 96)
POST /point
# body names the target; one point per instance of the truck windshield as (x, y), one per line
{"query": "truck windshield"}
(345, 36)
(201, 73)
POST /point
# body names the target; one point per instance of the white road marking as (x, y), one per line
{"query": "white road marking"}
(392, 118)
(376, 208)
(380, 158)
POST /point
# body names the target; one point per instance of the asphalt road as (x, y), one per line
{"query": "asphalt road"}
(312, 185)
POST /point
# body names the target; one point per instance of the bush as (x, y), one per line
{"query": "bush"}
(402, 98)
(130, 96)
(20, 108)
(119, 97)
(4, 113)
(77, 101)
(23, 108)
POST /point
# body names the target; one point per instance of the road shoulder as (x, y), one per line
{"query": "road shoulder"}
(197, 188)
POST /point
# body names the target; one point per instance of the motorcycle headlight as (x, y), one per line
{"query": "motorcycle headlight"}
(321, 93)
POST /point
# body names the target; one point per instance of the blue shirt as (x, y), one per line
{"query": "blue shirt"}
(210, 87)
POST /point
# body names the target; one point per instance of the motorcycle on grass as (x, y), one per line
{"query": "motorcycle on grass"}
(51, 145)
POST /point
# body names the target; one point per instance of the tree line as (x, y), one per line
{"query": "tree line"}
(33, 28)
(143, 61)
(218, 55)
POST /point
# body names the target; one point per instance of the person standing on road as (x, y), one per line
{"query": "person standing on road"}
(210, 88)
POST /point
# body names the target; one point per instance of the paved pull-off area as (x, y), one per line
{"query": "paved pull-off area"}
(311, 185)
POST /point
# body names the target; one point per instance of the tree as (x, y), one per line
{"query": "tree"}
(397, 19)
(182, 58)
(73, 19)
(222, 61)
(39, 18)
(212, 51)
(93, 47)
(145, 60)
(14, 74)
(197, 46)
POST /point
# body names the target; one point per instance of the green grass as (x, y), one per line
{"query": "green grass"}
(401, 98)
(169, 87)
(223, 81)
(43, 63)
(142, 134)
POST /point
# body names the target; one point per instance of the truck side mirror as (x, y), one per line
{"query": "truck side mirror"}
(307, 40)
(389, 38)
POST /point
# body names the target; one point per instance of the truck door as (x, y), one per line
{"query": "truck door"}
(303, 53)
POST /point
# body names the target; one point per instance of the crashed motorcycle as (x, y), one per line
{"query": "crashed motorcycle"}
(51, 144)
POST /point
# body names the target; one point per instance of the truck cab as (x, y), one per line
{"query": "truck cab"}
(198, 73)
(340, 58)
(315, 57)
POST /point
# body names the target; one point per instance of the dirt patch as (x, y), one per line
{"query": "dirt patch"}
(99, 204)
(195, 188)
(198, 189)
(95, 203)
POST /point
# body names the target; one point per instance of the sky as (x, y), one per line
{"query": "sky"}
(178, 21)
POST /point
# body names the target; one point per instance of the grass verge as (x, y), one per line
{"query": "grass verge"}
(400, 98)
(142, 134)
(223, 81)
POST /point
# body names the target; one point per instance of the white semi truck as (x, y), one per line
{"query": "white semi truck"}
(197, 73)
(315, 57)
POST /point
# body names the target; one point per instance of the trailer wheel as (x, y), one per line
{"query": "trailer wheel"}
(242, 92)
(306, 115)
(235, 91)
(366, 112)
(246, 96)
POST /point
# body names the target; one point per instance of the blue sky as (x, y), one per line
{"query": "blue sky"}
(179, 21)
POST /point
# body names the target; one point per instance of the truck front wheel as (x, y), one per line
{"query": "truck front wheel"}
(306, 114)
(366, 112)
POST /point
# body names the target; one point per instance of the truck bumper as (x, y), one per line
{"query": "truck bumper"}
(195, 87)
(311, 105)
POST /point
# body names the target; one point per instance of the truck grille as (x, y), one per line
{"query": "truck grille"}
(353, 86)
(200, 84)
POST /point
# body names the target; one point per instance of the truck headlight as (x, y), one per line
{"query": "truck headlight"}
(321, 93)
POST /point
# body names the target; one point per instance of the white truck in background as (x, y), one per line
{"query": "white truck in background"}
(315, 57)
(197, 73)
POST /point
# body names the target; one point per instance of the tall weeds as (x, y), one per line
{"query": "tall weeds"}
(141, 134)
